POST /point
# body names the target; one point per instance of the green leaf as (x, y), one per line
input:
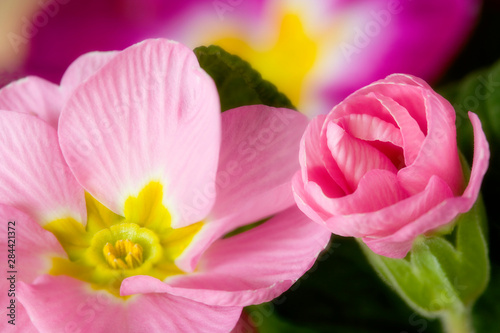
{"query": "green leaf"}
(237, 82)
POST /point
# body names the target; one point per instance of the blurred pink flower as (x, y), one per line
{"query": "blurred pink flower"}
(316, 53)
(121, 185)
(383, 165)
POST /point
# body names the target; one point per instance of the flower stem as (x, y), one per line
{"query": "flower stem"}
(457, 321)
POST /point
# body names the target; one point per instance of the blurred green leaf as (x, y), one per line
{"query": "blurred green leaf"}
(237, 82)
(478, 92)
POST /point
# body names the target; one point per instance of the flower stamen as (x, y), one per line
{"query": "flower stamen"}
(125, 254)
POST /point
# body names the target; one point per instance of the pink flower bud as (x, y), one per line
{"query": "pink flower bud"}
(383, 165)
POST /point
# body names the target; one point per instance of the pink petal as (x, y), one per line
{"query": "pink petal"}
(398, 244)
(408, 96)
(250, 268)
(34, 176)
(82, 68)
(312, 163)
(389, 219)
(412, 136)
(438, 154)
(309, 154)
(149, 114)
(34, 96)
(369, 128)
(480, 160)
(354, 157)
(407, 79)
(358, 105)
(306, 202)
(22, 320)
(61, 303)
(34, 246)
(258, 158)
(362, 102)
(376, 190)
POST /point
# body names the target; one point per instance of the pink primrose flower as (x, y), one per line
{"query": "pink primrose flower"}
(121, 186)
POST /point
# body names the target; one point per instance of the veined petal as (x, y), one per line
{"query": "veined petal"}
(403, 94)
(412, 136)
(407, 79)
(398, 244)
(438, 154)
(389, 218)
(22, 321)
(258, 158)
(312, 163)
(33, 246)
(149, 114)
(306, 202)
(480, 160)
(359, 103)
(363, 117)
(250, 268)
(61, 304)
(34, 176)
(35, 96)
(355, 157)
(376, 190)
(82, 68)
(309, 155)
(369, 128)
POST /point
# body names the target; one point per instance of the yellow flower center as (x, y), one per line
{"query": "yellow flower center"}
(111, 247)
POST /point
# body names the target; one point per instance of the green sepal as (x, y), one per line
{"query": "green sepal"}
(442, 273)
(237, 82)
